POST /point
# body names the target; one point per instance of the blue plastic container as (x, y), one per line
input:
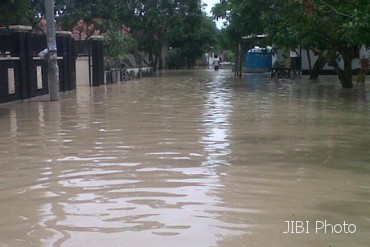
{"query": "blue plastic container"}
(256, 61)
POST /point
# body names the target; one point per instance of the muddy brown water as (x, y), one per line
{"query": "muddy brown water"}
(188, 158)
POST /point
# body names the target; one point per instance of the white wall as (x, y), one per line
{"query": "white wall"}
(355, 62)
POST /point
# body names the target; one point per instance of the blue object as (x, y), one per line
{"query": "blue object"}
(258, 60)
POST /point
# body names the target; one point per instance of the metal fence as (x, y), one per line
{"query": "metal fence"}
(23, 74)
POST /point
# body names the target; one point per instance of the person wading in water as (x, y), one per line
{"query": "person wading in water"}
(216, 62)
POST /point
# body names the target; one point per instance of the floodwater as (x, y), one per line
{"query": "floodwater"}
(188, 159)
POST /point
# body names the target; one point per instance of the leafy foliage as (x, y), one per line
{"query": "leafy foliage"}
(243, 16)
(332, 28)
(117, 46)
(192, 32)
(152, 24)
(14, 11)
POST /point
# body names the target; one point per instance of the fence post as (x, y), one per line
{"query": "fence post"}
(22, 35)
(65, 69)
(71, 60)
(97, 60)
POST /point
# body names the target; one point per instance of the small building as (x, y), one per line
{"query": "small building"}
(363, 52)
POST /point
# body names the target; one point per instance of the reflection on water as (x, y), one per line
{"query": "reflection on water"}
(194, 158)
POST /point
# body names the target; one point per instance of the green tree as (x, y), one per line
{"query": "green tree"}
(192, 32)
(334, 33)
(334, 29)
(244, 17)
(14, 12)
(152, 27)
(117, 46)
(153, 24)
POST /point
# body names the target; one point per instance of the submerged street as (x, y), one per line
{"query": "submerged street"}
(188, 159)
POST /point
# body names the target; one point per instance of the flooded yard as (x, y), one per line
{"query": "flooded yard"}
(188, 159)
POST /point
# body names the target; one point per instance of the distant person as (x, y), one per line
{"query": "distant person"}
(216, 62)
(365, 64)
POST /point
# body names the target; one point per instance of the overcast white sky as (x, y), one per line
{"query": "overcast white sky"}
(210, 4)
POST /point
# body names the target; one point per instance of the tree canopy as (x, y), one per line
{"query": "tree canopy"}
(152, 24)
(334, 29)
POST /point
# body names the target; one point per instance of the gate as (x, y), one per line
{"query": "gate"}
(90, 61)
(23, 74)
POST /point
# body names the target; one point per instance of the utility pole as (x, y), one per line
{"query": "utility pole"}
(53, 73)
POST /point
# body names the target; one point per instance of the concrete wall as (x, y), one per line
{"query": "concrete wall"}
(133, 61)
(121, 75)
(82, 71)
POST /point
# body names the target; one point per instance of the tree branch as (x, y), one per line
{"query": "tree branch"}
(337, 11)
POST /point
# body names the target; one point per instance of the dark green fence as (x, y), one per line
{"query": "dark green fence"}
(23, 74)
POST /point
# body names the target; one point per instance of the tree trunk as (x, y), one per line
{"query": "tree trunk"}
(317, 67)
(159, 56)
(155, 63)
(309, 59)
(150, 57)
(344, 75)
(347, 71)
